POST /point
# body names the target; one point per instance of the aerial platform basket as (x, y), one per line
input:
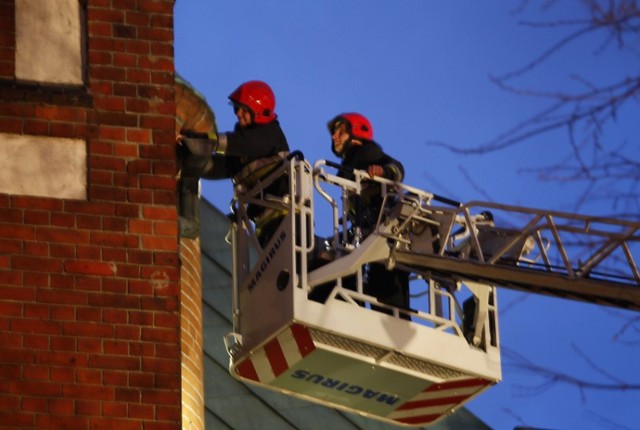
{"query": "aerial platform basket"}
(337, 351)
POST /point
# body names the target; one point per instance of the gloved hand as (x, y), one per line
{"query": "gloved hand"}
(194, 134)
(198, 143)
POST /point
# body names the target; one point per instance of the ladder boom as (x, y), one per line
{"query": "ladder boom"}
(578, 257)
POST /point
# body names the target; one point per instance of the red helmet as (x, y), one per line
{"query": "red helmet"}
(359, 126)
(259, 98)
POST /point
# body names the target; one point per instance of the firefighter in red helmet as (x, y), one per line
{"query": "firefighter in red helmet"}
(250, 152)
(352, 141)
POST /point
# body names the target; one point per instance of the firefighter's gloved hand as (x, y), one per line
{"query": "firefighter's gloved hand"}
(194, 134)
(198, 143)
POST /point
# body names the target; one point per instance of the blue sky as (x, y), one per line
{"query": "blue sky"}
(419, 70)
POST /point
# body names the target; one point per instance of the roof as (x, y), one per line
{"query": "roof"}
(231, 404)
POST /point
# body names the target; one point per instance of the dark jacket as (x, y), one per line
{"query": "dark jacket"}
(246, 145)
(364, 209)
(369, 153)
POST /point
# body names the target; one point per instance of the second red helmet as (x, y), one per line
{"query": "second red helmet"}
(257, 96)
(359, 125)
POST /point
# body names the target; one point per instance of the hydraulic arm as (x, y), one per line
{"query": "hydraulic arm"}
(555, 253)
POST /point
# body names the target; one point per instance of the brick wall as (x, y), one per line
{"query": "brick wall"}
(7, 39)
(89, 289)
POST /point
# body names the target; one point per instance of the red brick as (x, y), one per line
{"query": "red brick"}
(36, 217)
(61, 358)
(166, 320)
(33, 203)
(90, 208)
(95, 392)
(63, 343)
(110, 285)
(88, 376)
(107, 193)
(115, 378)
(159, 213)
(107, 163)
(60, 296)
(164, 197)
(137, 47)
(60, 422)
(36, 249)
(88, 314)
(128, 210)
(128, 270)
(165, 228)
(139, 226)
(86, 328)
(115, 224)
(115, 316)
(114, 347)
(63, 250)
(14, 278)
(64, 235)
(19, 419)
(142, 349)
(88, 407)
(161, 365)
(127, 395)
(10, 340)
(35, 373)
(17, 215)
(139, 135)
(115, 255)
(88, 267)
(89, 345)
(167, 412)
(37, 311)
(35, 326)
(158, 182)
(99, 29)
(126, 150)
(10, 355)
(36, 341)
(165, 259)
(36, 127)
(63, 130)
(36, 404)
(144, 412)
(35, 388)
(113, 239)
(140, 257)
(11, 246)
(158, 397)
(114, 301)
(114, 423)
(139, 166)
(63, 374)
(36, 264)
(62, 313)
(89, 222)
(128, 332)
(140, 196)
(114, 409)
(12, 231)
(160, 335)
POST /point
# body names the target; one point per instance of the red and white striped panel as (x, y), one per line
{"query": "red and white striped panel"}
(277, 355)
(437, 400)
